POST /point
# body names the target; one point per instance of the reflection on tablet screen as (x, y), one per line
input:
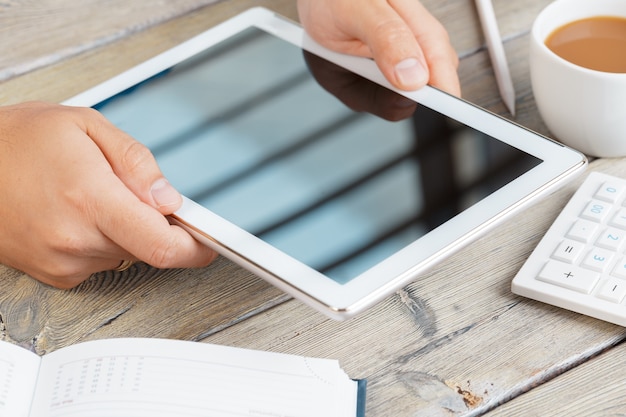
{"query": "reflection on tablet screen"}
(330, 168)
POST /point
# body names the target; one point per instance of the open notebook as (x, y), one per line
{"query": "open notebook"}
(137, 377)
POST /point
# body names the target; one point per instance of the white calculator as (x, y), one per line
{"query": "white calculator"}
(580, 263)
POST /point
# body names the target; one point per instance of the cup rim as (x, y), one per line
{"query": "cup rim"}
(539, 34)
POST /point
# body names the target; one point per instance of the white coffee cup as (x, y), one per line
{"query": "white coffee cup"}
(583, 108)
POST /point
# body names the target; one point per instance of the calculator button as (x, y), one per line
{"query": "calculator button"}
(598, 259)
(583, 230)
(619, 270)
(613, 290)
(611, 239)
(594, 281)
(568, 251)
(610, 191)
(619, 219)
(596, 211)
(568, 276)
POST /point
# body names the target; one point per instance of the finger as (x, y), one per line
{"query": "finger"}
(78, 253)
(147, 235)
(67, 271)
(434, 42)
(133, 163)
(394, 47)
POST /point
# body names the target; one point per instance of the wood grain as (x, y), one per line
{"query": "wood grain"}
(180, 304)
(456, 342)
(44, 32)
(595, 388)
(64, 79)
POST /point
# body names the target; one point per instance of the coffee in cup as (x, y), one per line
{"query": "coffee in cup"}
(597, 43)
(578, 73)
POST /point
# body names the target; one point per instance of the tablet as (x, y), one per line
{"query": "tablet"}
(306, 167)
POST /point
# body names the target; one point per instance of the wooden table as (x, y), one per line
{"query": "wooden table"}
(456, 342)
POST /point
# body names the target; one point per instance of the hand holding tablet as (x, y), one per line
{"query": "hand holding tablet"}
(59, 226)
(335, 206)
(74, 249)
(411, 48)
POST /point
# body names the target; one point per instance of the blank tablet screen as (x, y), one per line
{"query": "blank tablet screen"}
(328, 167)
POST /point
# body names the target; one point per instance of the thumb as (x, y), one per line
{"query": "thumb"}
(134, 164)
(395, 49)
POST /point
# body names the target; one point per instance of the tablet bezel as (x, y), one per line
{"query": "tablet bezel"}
(340, 301)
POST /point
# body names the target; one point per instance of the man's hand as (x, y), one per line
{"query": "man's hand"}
(79, 196)
(409, 44)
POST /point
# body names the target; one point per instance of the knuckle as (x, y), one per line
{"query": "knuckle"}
(136, 156)
(163, 255)
(84, 113)
(69, 243)
(89, 112)
(444, 58)
(391, 31)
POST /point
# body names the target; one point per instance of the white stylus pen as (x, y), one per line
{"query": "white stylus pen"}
(496, 53)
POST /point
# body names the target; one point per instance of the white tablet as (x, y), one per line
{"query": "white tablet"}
(328, 184)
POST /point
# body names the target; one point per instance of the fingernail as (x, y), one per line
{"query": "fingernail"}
(164, 194)
(411, 74)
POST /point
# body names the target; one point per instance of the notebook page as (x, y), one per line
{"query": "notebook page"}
(161, 378)
(18, 373)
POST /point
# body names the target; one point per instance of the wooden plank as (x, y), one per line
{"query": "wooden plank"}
(108, 59)
(460, 19)
(595, 388)
(67, 78)
(49, 31)
(36, 40)
(455, 342)
(143, 301)
(480, 87)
